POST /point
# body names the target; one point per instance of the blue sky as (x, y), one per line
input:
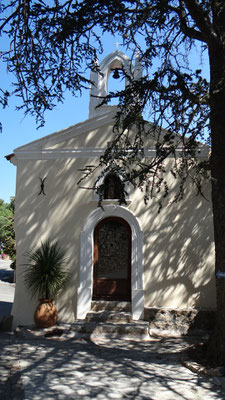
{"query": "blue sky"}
(17, 130)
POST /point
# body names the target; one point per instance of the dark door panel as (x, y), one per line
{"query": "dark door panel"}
(112, 260)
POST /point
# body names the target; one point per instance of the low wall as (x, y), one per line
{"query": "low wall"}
(181, 321)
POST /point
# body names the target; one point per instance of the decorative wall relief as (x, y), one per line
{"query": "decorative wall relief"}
(42, 186)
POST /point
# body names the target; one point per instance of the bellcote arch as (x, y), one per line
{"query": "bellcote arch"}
(99, 80)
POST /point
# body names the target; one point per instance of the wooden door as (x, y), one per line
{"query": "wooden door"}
(112, 260)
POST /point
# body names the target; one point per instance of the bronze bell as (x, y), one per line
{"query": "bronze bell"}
(116, 74)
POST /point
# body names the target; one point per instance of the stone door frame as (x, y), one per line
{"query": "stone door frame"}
(84, 291)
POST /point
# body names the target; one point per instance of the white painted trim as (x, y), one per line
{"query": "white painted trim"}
(50, 154)
(84, 293)
(83, 152)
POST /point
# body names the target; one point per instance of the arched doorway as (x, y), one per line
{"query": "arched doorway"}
(85, 288)
(112, 260)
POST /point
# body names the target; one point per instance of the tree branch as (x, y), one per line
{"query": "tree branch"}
(190, 32)
(201, 19)
(11, 16)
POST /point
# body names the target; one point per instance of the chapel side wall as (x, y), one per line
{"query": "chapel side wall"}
(58, 215)
(179, 250)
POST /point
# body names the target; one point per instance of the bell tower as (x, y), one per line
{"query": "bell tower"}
(99, 86)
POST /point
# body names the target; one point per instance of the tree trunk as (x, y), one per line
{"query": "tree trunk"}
(216, 345)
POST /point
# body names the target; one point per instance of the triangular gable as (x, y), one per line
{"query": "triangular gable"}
(88, 138)
(64, 135)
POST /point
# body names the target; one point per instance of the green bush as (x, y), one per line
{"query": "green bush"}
(45, 273)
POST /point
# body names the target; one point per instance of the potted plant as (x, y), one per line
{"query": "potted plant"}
(45, 275)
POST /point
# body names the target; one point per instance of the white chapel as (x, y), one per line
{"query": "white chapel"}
(119, 252)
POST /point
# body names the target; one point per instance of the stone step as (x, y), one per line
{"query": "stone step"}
(135, 330)
(110, 319)
(101, 305)
(121, 317)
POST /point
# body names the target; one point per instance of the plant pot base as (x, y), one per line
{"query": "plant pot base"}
(46, 314)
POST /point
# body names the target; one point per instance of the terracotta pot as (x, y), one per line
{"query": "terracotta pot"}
(46, 314)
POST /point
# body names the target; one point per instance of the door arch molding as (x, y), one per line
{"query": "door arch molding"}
(84, 292)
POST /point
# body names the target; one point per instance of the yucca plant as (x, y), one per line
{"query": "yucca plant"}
(45, 273)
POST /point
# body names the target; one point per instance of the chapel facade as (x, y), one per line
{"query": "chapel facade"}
(126, 252)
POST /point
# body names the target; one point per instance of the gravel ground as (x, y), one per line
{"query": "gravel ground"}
(38, 369)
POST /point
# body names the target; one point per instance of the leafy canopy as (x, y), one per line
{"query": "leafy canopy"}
(7, 232)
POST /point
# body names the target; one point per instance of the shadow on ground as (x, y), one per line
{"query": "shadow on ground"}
(106, 369)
